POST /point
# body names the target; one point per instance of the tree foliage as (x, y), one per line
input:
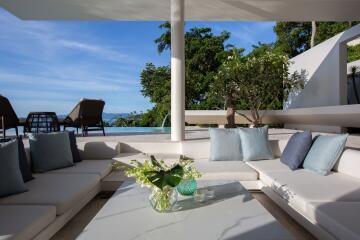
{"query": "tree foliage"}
(204, 53)
(353, 53)
(132, 120)
(293, 38)
(260, 82)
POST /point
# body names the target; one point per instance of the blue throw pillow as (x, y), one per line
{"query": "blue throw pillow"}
(255, 144)
(224, 144)
(11, 181)
(296, 149)
(324, 153)
(50, 151)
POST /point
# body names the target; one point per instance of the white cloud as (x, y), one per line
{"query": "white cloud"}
(46, 39)
(48, 65)
(69, 84)
(104, 52)
(246, 34)
(250, 32)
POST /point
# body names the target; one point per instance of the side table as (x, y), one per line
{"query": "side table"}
(43, 122)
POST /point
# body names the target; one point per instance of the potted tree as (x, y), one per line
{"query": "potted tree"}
(225, 85)
(259, 82)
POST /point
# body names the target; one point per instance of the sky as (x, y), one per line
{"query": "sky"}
(51, 65)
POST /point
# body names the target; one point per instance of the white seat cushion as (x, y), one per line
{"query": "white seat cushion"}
(24, 222)
(349, 163)
(222, 170)
(101, 167)
(341, 219)
(273, 165)
(264, 166)
(126, 158)
(225, 170)
(302, 186)
(60, 190)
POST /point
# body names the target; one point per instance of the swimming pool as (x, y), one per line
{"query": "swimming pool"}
(11, 132)
(137, 129)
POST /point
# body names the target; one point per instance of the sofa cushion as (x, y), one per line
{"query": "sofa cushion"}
(98, 150)
(101, 167)
(50, 151)
(200, 148)
(324, 153)
(277, 147)
(11, 180)
(297, 149)
(24, 222)
(225, 170)
(126, 158)
(255, 144)
(341, 219)
(225, 144)
(60, 190)
(23, 159)
(74, 148)
(302, 186)
(263, 166)
(349, 163)
(268, 165)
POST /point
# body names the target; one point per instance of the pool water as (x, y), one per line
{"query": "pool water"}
(137, 129)
(11, 132)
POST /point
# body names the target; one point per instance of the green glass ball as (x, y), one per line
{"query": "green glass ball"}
(187, 187)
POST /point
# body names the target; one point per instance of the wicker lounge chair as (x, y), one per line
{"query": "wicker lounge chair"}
(8, 117)
(87, 115)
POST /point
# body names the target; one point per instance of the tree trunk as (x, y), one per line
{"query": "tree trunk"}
(257, 121)
(313, 33)
(230, 113)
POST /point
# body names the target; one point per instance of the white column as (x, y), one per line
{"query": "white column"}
(177, 71)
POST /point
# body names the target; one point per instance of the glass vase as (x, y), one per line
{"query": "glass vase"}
(187, 187)
(163, 200)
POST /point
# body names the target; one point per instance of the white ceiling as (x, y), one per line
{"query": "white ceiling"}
(247, 10)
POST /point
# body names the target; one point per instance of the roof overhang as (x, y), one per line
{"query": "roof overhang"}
(244, 10)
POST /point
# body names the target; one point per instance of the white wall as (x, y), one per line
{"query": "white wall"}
(325, 65)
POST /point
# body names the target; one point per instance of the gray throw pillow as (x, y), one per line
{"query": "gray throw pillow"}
(296, 149)
(224, 144)
(74, 149)
(324, 153)
(50, 151)
(23, 161)
(11, 181)
(255, 144)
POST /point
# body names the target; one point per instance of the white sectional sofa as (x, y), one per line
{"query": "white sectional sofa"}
(52, 200)
(327, 206)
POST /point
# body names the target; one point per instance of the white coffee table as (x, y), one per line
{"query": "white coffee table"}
(233, 214)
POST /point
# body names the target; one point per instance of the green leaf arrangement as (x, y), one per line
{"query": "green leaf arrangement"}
(162, 177)
(156, 173)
